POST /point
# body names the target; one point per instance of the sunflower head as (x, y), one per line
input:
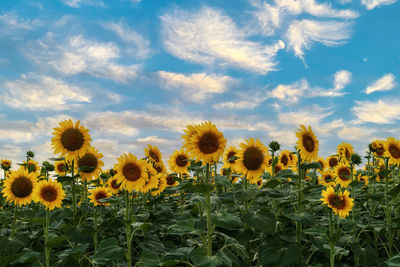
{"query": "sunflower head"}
(131, 172)
(61, 167)
(153, 154)
(378, 147)
(343, 173)
(205, 143)
(285, 159)
(323, 163)
(113, 185)
(333, 161)
(230, 158)
(363, 179)
(49, 193)
(345, 150)
(253, 158)
(32, 166)
(339, 202)
(171, 180)
(327, 178)
(392, 151)
(162, 179)
(6, 164)
(97, 194)
(152, 179)
(19, 186)
(89, 164)
(307, 143)
(179, 161)
(71, 140)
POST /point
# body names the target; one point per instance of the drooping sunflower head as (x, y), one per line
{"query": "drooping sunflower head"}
(332, 161)
(131, 172)
(152, 179)
(32, 166)
(327, 178)
(392, 150)
(113, 185)
(153, 154)
(70, 140)
(253, 158)
(19, 186)
(49, 193)
(89, 164)
(345, 150)
(230, 158)
(378, 147)
(206, 144)
(285, 159)
(307, 143)
(61, 167)
(342, 172)
(339, 202)
(162, 178)
(6, 164)
(171, 180)
(179, 161)
(98, 193)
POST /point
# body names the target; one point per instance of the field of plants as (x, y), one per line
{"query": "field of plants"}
(209, 205)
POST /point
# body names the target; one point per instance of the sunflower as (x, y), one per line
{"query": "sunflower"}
(285, 159)
(345, 150)
(207, 143)
(323, 164)
(131, 172)
(6, 164)
(340, 202)
(113, 185)
(179, 161)
(152, 179)
(32, 166)
(153, 154)
(332, 161)
(49, 193)
(253, 159)
(392, 150)
(72, 141)
(99, 193)
(19, 186)
(307, 143)
(230, 158)
(160, 168)
(162, 178)
(327, 178)
(342, 172)
(90, 164)
(61, 167)
(278, 168)
(379, 147)
(171, 181)
(363, 178)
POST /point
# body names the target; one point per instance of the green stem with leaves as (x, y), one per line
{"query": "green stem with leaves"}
(331, 242)
(299, 225)
(128, 252)
(207, 197)
(388, 209)
(74, 215)
(46, 238)
(14, 221)
(96, 229)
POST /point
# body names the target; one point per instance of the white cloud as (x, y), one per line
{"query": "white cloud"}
(269, 17)
(290, 93)
(385, 83)
(302, 33)
(153, 140)
(371, 4)
(13, 21)
(139, 46)
(355, 133)
(210, 37)
(197, 86)
(78, 55)
(341, 79)
(381, 111)
(312, 116)
(79, 3)
(43, 93)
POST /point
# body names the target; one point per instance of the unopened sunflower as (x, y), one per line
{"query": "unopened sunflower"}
(339, 202)
(19, 186)
(131, 172)
(90, 164)
(49, 193)
(72, 141)
(392, 150)
(307, 143)
(98, 193)
(253, 159)
(179, 162)
(343, 174)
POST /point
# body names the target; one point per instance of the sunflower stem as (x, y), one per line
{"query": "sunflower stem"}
(128, 253)
(96, 228)
(46, 238)
(182, 197)
(354, 212)
(73, 193)
(207, 197)
(14, 221)
(388, 208)
(331, 242)
(299, 205)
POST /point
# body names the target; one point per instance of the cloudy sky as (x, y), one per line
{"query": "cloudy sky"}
(137, 72)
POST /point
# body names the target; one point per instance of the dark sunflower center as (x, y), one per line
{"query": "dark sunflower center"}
(380, 150)
(284, 160)
(253, 158)
(131, 172)
(181, 160)
(170, 180)
(158, 169)
(394, 151)
(88, 160)
(308, 143)
(277, 169)
(208, 143)
(61, 167)
(337, 202)
(72, 139)
(333, 162)
(100, 195)
(224, 172)
(48, 193)
(114, 184)
(344, 174)
(328, 178)
(22, 187)
(154, 156)
(231, 155)
(347, 153)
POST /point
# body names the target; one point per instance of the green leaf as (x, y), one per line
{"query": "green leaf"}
(271, 183)
(27, 256)
(395, 191)
(227, 220)
(184, 227)
(179, 254)
(316, 230)
(56, 240)
(394, 261)
(312, 165)
(148, 259)
(303, 217)
(106, 254)
(73, 252)
(261, 222)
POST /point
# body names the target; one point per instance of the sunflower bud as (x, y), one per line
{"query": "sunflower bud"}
(48, 166)
(356, 159)
(30, 154)
(274, 146)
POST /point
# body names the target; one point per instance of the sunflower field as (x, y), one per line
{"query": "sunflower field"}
(209, 205)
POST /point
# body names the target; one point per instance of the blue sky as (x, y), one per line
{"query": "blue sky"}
(137, 72)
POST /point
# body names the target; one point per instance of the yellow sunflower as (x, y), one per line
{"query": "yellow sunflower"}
(307, 143)
(179, 161)
(343, 173)
(152, 179)
(332, 161)
(392, 150)
(49, 193)
(323, 163)
(131, 172)
(113, 185)
(61, 167)
(160, 168)
(90, 164)
(253, 158)
(327, 178)
(6, 164)
(345, 150)
(72, 141)
(153, 154)
(229, 158)
(364, 179)
(171, 181)
(99, 193)
(19, 186)
(278, 168)
(32, 166)
(340, 203)
(207, 144)
(285, 159)
(162, 178)
(379, 147)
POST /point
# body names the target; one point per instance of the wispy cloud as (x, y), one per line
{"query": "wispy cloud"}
(371, 4)
(79, 3)
(210, 37)
(381, 111)
(385, 83)
(341, 79)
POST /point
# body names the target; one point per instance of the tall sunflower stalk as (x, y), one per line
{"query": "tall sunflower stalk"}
(388, 209)
(207, 197)
(299, 225)
(128, 253)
